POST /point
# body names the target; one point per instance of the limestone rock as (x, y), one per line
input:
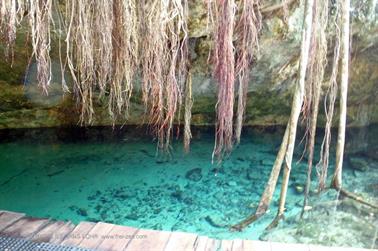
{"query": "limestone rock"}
(358, 163)
(194, 174)
(270, 89)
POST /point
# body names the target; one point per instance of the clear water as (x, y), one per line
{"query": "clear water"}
(100, 175)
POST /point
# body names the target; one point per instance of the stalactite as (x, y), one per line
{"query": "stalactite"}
(246, 46)
(224, 73)
(40, 14)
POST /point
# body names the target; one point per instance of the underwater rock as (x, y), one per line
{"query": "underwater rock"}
(104, 215)
(242, 159)
(91, 219)
(267, 162)
(132, 216)
(298, 188)
(147, 153)
(98, 208)
(252, 174)
(178, 194)
(215, 221)
(358, 163)
(157, 226)
(194, 174)
(55, 173)
(82, 212)
(372, 152)
(188, 201)
(79, 211)
(232, 183)
(120, 194)
(374, 188)
(218, 170)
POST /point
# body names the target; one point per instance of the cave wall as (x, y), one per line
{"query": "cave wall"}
(22, 104)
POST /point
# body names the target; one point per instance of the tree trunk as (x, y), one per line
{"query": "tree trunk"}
(288, 142)
(337, 176)
(188, 111)
(337, 179)
(296, 106)
(267, 196)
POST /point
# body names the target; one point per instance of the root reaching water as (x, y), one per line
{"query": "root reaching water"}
(164, 56)
(287, 146)
(317, 63)
(246, 46)
(124, 61)
(329, 105)
(224, 73)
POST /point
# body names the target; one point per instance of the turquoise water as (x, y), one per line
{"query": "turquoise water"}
(115, 176)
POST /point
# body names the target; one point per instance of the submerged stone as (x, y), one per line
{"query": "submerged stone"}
(132, 216)
(360, 164)
(82, 212)
(267, 162)
(178, 194)
(250, 174)
(232, 183)
(188, 201)
(194, 174)
(299, 188)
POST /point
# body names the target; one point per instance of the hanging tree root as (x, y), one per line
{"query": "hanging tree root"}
(265, 10)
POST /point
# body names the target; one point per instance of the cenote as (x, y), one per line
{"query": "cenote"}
(188, 125)
(115, 175)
